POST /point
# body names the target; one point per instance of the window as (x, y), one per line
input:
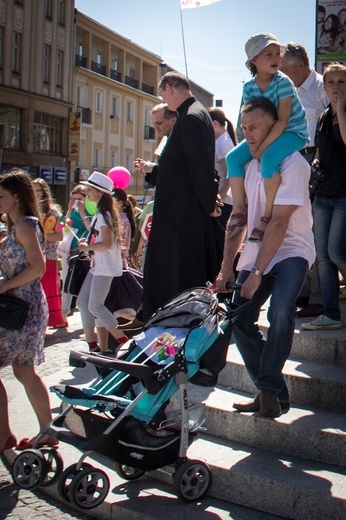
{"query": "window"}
(16, 53)
(46, 63)
(59, 65)
(80, 49)
(1, 46)
(10, 127)
(113, 159)
(96, 157)
(61, 12)
(48, 9)
(132, 72)
(128, 161)
(98, 102)
(99, 58)
(47, 133)
(129, 118)
(114, 107)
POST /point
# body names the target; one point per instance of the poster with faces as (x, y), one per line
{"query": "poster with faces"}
(330, 33)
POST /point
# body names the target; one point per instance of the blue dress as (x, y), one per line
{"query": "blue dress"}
(25, 346)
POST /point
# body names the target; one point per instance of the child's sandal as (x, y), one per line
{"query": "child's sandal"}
(237, 226)
(257, 234)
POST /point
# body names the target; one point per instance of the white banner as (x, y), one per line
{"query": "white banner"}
(191, 4)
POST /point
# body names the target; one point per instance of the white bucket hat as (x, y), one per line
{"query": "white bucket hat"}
(258, 43)
(100, 182)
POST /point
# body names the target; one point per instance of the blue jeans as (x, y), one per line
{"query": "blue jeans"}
(265, 358)
(330, 231)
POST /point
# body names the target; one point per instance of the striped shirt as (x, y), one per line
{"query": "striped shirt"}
(279, 88)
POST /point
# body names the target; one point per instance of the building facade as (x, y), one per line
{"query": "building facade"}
(75, 96)
(115, 89)
(36, 73)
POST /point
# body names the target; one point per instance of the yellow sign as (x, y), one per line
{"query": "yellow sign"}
(74, 136)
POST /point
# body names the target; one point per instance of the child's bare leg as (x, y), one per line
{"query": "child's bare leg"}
(102, 336)
(270, 187)
(238, 218)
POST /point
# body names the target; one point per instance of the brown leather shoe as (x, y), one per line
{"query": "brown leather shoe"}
(254, 405)
(269, 404)
(131, 325)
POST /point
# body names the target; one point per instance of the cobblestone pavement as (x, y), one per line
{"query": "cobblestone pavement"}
(21, 504)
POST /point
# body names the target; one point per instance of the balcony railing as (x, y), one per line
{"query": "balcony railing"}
(149, 132)
(149, 89)
(100, 69)
(86, 114)
(131, 82)
(115, 75)
(80, 61)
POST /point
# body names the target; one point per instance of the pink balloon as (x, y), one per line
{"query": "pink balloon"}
(120, 176)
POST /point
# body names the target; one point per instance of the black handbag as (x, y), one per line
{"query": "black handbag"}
(13, 312)
(78, 267)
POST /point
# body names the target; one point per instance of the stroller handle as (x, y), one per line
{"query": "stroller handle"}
(233, 286)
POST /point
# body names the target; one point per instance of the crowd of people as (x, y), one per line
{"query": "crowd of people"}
(214, 198)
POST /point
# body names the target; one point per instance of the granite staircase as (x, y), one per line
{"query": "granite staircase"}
(294, 466)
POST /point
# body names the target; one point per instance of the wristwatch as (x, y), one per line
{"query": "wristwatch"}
(255, 271)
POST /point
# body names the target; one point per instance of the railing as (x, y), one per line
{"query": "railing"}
(80, 61)
(100, 69)
(149, 132)
(131, 82)
(115, 75)
(86, 114)
(148, 89)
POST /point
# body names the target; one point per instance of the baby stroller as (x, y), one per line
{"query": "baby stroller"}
(123, 415)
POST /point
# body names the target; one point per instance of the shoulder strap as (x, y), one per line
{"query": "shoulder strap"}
(91, 232)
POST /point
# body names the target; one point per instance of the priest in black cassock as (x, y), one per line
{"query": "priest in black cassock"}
(182, 249)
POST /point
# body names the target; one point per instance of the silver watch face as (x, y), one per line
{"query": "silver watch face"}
(255, 271)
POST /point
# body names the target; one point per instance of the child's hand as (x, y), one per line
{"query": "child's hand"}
(258, 153)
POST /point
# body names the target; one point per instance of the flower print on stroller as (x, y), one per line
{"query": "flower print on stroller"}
(124, 416)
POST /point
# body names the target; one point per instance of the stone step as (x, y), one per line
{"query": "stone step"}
(281, 485)
(325, 346)
(312, 433)
(311, 384)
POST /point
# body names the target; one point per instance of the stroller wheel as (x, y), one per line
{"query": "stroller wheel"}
(191, 480)
(56, 465)
(66, 478)
(89, 488)
(128, 472)
(29, 469)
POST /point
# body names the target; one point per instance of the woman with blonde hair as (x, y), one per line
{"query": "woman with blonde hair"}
(50, 280)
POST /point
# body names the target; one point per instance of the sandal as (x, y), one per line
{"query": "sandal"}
(257, 234)
(26, 444)
(236, 227)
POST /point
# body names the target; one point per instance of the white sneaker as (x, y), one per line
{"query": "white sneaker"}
(322, 323)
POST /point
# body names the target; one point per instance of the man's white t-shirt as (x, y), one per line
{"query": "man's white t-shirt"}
(314, 100)
(223, 145)
(293, 190)
(108, 262)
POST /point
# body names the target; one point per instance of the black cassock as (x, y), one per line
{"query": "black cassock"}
(183, 245)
